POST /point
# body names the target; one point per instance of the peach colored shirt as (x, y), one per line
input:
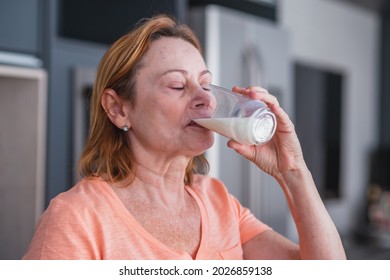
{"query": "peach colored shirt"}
(89, 221)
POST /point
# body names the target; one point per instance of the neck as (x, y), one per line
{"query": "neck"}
(159, 184)
(168, 177)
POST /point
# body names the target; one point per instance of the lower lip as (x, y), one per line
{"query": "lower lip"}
(194, 124)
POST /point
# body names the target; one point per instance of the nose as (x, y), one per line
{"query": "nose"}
(203, 102)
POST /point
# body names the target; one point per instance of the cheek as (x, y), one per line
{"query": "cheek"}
(161, 111)
(164, 119)
(171, 110)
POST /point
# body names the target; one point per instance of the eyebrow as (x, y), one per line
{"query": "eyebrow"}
(185, 72)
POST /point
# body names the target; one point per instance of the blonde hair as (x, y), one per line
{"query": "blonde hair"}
(108, 150)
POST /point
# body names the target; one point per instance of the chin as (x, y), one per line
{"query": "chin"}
(201, 145)
(207, 143)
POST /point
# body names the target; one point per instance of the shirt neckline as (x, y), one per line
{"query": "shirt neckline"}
(147, 235)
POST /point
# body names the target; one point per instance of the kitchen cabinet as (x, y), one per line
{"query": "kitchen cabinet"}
(21, 26)
(22, 161)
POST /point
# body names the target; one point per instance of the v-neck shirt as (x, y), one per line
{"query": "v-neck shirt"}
(89, 221)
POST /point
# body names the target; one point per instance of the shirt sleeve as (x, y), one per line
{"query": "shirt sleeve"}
(250, 226)
(61, 234)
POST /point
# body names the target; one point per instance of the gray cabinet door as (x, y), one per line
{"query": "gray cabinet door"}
(21, 26)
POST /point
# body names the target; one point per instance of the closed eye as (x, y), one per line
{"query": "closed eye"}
(206, 87)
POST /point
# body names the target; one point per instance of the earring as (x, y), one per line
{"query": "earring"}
(125, 128)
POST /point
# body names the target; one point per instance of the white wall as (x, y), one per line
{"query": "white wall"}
(344, 37)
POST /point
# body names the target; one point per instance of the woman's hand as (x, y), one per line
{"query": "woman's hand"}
(283, 152)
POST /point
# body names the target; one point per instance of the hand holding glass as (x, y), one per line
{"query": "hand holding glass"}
(238, 117)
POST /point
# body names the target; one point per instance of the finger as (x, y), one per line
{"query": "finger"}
(249, 90)
(244, 150)
(262, 94)
(284, 123)
(237, 89)
(257, 92)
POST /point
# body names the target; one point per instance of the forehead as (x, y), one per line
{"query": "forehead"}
(176, 51)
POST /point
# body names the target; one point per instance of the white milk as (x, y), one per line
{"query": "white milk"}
(249, 131)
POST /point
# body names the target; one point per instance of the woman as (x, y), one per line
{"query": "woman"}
(141, 196)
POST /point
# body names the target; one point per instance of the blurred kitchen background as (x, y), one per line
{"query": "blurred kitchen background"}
(327, 61)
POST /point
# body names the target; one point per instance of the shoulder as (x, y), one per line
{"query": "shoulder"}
(86, 204)
(86, 190)
(87, 196)
(69, 227)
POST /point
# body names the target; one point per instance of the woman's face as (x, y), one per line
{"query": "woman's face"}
(171, 90)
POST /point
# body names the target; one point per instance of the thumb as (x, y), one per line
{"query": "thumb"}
(244, 150)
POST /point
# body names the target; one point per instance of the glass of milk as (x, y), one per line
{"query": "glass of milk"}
(238, 117)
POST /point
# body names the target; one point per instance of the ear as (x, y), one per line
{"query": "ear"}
(115, 108)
